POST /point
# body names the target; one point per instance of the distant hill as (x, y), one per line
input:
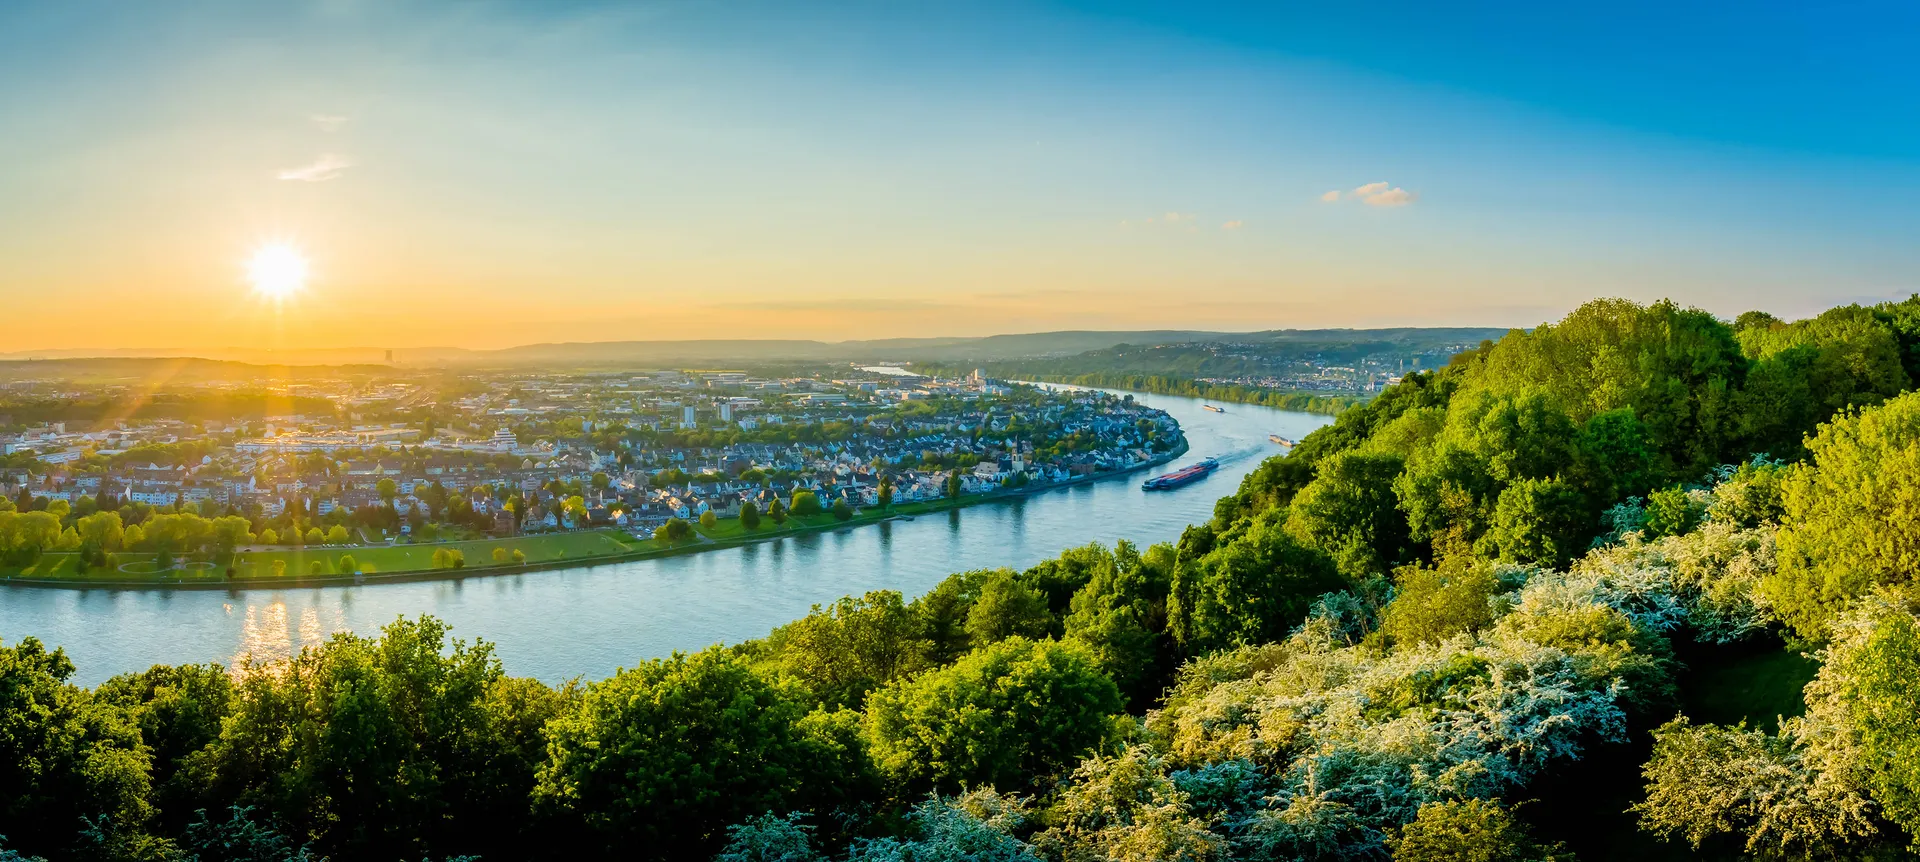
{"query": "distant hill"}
(160, 371)
(1036, 345)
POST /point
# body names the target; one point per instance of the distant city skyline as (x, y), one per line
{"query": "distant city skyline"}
(407, 175)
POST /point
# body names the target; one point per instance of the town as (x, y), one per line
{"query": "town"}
(646, 459)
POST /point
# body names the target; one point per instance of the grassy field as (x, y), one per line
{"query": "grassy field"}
(372, 559)
(412, 558)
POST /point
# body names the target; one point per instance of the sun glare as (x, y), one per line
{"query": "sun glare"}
(277, 271)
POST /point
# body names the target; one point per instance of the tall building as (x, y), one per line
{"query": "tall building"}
(686, 416)
(726, 411)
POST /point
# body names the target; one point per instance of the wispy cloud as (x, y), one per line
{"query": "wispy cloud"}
(1170, 217)
(1374, 194)
(1233, 225)
(1393, 197)
(328, 122)
(327, 167)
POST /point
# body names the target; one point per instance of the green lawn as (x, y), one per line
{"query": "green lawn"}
(410, 558)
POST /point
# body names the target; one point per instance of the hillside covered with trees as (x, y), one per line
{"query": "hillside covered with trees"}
(1506, 610)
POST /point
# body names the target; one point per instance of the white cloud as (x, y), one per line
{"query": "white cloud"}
(328, 122)
(1375, 194)
(1393, 197)
(327, 167)
(1176, 218)
(1233, 225)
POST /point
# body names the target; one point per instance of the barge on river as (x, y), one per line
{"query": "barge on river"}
(1183, 476)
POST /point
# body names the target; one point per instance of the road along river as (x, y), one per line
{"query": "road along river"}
(592, 620)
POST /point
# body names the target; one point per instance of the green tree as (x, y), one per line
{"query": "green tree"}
(1006, 606)
(103, 529)
(659, 759)
(1009, 715)
(1545, 521)
(1847, 526)
(884, 499)
(348, 565)
(804, 504)
(1251, 590)
(708, 519)
(1671, 512)
(402, 745)
(673, 531)
(1121, 615)
(749, 516)
(337, 535)
(846, 649)
(179, 710)
(1350, 512)
(387, 490)
(776, 512)
(64, 754)
(842, 510)
(314, 536)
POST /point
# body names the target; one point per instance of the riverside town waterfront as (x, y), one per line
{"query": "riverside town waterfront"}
(619, 614)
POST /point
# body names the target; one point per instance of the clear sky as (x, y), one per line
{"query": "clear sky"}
(487, 174)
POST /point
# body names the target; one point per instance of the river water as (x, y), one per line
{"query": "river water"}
(589, 622)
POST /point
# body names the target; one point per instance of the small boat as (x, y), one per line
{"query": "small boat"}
(1213, 408)
(1281, 440)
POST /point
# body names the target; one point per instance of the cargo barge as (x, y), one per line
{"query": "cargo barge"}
(1183, 476)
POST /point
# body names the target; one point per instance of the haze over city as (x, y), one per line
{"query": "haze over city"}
(485, 175)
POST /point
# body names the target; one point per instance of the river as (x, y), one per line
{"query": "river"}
(589, 622)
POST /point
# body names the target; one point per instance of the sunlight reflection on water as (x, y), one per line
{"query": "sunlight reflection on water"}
(589, 621)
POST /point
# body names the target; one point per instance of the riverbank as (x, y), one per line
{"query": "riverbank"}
(379, 564)
(1278, 399)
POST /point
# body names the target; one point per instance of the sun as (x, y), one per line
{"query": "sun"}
(277, 271)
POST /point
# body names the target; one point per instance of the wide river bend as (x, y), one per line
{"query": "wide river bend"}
(591, 621)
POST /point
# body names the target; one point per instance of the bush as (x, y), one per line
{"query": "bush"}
(673, 531)
(804, 504)
(842, 510)
(708, 519)
(1431, 605)
(1008, 715)
(658, 760)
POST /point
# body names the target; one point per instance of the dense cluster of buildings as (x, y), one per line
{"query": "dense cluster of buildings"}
(511, 454)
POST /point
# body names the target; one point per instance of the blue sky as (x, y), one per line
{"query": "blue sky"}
(499, 173)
